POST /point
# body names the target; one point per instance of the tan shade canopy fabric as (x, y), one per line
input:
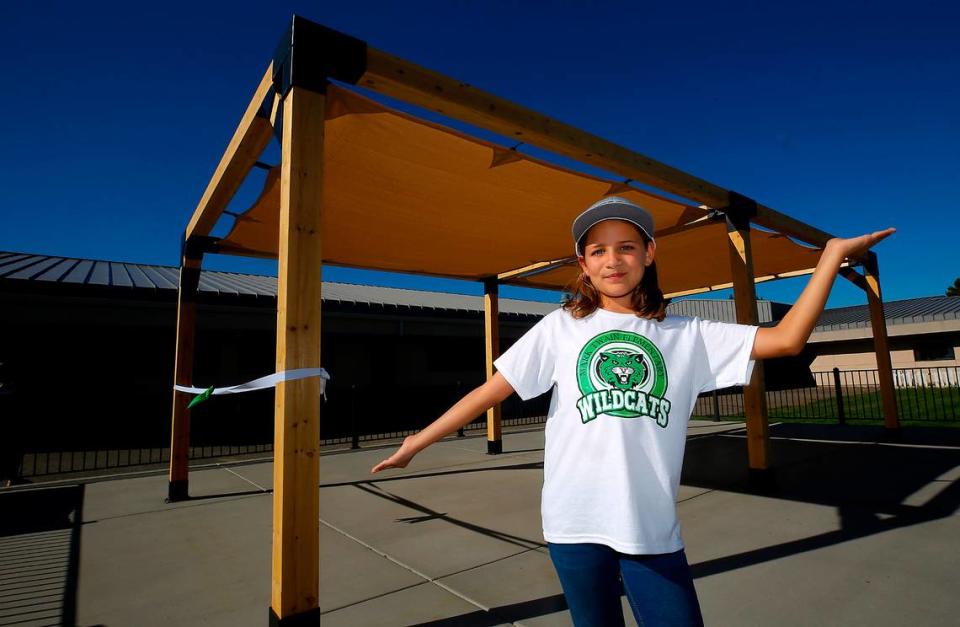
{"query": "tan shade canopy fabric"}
(407, 195)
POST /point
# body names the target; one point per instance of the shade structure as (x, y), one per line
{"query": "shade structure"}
(362, 185)
(407, 195)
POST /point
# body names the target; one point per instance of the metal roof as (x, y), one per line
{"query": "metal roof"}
(722, 310)
(64, 270)
(911, 310)
(44, 268)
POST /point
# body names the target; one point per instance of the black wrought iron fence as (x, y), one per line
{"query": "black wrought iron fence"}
(929, 394)
(243, 426)
(361, 422)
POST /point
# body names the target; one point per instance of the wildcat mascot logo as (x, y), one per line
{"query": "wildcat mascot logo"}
(622, 374)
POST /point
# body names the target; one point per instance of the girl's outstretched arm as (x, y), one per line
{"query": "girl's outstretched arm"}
(791, 333)
(463, 411)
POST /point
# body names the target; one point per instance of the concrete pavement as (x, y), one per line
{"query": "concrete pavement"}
(857, 531)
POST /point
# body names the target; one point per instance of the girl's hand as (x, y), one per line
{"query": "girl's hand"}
(400, 459)
(856, 246)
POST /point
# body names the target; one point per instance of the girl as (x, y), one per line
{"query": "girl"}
(626, 378)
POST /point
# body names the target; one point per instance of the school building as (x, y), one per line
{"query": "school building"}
(86, 350)
(924, 340)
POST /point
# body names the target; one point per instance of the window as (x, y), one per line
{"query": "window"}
(933, 351)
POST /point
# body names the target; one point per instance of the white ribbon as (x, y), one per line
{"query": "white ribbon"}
(265, 382)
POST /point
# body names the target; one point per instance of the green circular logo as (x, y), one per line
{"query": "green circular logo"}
(622, 374)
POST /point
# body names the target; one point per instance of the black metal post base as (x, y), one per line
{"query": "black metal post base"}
(763, 480)
(892, 434)
(494, 447)
(310, 618)
(178, 491)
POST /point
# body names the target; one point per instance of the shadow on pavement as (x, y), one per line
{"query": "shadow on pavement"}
(877, 481)
(40, 555)
(503, 614)
(440, 473)
(430, 514)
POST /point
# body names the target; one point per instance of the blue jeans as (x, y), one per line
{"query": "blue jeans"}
(659, 588)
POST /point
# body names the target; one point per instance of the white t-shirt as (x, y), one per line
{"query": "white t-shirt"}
(624, 388)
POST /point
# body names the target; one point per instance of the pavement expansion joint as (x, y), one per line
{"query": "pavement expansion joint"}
(424, 576)
(330, 610)
(698, 495)
(251, 482)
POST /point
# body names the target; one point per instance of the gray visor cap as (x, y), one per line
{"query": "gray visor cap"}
(611, 208)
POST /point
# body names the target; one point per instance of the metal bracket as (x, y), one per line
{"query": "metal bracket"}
(309, 54)
(870, 265)
(740, 210)
(306, 618)
(197, 245)
(854, 277)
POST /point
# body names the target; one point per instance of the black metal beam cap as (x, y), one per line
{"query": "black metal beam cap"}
(871, 265)
(197, 245)
(740, 209)
(309, 54)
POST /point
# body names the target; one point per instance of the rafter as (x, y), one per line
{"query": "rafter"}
(251, 137)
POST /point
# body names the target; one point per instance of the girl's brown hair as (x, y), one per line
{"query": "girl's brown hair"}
(647, 302)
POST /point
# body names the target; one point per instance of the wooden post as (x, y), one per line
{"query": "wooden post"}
(491, 333)
(296, 467)
(878, 323)
(745, 297)
(178, 488)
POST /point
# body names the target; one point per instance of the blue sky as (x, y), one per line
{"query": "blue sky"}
(842, 114)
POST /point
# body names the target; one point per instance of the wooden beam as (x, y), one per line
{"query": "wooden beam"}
(787, 275)
(699, 290)
(178, 488)
(854, 277)
(759, 279)
(745, 299)
(491, 336)
(251, 137)
(535, 268)
(545, 266)
(878, 323)
(726, 286)
(781, 222)
(431, 90)
(296, 469)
